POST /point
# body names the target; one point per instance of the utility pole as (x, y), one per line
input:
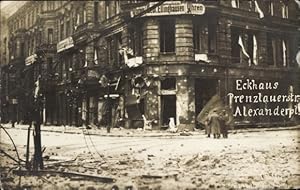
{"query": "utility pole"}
(37, 159)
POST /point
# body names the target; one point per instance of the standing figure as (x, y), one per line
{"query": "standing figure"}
(214, 122)
(223, 125)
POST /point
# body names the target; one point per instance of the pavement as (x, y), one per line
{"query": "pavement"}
(122, 132)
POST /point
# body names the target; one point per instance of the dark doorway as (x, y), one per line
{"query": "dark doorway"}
(204, 90)
(168, 106)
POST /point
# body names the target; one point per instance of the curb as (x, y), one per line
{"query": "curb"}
(160, 134)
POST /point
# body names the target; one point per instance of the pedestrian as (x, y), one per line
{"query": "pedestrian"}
(223, 125)
(214, 122)
(207, 127)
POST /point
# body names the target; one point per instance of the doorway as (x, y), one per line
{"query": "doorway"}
(204, 90)
(168, 108)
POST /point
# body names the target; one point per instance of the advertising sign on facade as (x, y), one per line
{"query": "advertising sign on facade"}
(173, 8)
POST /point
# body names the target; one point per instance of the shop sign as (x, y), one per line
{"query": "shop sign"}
(30, 59)
(172, 8)
(65, 44)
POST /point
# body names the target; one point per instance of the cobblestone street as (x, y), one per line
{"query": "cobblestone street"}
(159, 160)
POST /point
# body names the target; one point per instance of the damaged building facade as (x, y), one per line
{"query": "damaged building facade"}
(104, 62)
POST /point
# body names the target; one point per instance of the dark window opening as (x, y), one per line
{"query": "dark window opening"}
(68, 28)
(96, 13)
(200, 38)
(168, 84)
(235, 48)
(61, 30)
(167, 35)
(212, 38)
(108, 50)
(50, 35)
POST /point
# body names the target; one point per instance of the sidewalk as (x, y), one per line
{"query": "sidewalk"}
(121, 132)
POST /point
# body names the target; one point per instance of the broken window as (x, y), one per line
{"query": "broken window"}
(168, 84)
(167, 35)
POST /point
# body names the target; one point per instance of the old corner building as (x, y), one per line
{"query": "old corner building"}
(102, 61)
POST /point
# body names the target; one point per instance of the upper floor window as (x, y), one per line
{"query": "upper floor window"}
(96, 11)
(235, 3)
(136, 40)
(277, 50)
(107, 13)
(284, 10)
(50, 35)
(167, 35)
(84, 16)
(117, 6)
(68, 28)
(61, 30)
(271, 8)
(244, 47)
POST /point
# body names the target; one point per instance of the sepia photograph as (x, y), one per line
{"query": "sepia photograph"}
(149, 94)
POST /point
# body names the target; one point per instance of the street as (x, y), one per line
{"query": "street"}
(251, 160)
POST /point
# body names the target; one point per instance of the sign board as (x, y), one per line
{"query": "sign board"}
(172, 8)
(30, 59)
(65, 44)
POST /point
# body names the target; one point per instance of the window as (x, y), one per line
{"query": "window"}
(235, 49)
(235, 3)
(108, 50)
(50, 36)
(168, 84)
(167, 35)
(68, 28)
(277, 51)
(271, 8)
(200, 37)
(107, 13)
(212, 41)
(284, 10)
(84, 16)
(61, 30)
(96, 12)
(244, 47)
(117, 7)
(136, 40)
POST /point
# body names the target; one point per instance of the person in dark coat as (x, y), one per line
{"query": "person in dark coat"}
(223, 125)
